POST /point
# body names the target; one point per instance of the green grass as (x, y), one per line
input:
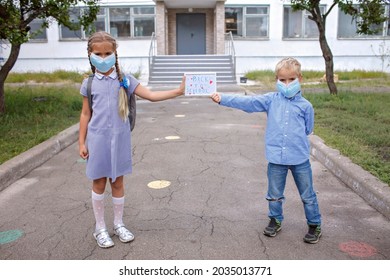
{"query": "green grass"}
(43, 77)
(358, 125)
(310, 76)
(34, 114)
(359, 74)
(58, 76)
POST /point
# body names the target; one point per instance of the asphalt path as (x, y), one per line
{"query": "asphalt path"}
(214, 207)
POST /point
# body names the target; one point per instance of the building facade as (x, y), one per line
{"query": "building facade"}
(263, 31)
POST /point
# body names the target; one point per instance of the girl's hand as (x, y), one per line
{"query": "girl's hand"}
(216, 97)
(182, 85)
(83, 152)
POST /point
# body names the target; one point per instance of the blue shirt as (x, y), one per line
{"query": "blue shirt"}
(289, 122)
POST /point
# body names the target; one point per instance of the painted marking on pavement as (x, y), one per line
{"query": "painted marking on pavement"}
(180, 116)
(159, 184)
(10, 236)
(172, 137)
(357, 249)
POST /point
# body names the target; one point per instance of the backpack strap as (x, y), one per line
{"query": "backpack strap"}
(131, 99)
(89, 86)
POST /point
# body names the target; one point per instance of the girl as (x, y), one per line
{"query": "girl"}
(104, 137)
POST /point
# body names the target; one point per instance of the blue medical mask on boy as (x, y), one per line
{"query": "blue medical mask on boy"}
(289, 90)
(103, 65)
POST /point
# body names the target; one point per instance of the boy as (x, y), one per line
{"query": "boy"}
(290, 119)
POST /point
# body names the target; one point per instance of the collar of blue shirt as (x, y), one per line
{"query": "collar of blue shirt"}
(113, 75)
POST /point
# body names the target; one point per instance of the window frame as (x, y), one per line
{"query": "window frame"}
(105, 15)
(81, 30)
(141, 16)
(385, 34)
(245, 16)
(39, 22)
(304, 20)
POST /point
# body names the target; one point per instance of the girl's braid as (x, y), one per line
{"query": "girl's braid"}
(93, 68)
(123, 99)
(118, 71)
(99, 37)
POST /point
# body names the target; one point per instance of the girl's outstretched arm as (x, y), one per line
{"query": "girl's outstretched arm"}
(146, 93)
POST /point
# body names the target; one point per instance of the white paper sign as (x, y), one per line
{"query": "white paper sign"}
(201, 83)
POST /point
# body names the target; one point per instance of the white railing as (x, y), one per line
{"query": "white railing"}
(152, 49)
(229, 49)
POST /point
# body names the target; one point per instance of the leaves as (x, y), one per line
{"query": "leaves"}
(15, 16)
(369, 14)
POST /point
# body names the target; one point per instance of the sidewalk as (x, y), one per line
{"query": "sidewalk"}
(372, 190)
(213, 209)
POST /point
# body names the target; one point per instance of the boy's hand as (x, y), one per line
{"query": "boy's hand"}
(216, 97)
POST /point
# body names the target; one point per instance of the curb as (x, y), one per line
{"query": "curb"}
(370, 188)
(17, 167)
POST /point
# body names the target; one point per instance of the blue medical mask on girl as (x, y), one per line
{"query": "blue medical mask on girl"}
(103, 65)
(289, 90)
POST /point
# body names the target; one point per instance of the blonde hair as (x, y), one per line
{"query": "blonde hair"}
(100, 37)
(288, 63)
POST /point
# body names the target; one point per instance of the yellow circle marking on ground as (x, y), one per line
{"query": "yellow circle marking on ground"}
(160, 184)
(172, 137)
(180, 116)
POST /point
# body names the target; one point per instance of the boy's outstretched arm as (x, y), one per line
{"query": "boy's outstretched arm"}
(247, 104)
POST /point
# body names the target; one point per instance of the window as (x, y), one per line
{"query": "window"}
(143, 21)
(297, 24)
(248, 22)
(347, 27)
(387, 24)
(120, 22)
(100, 22)
(65, 32)
(36, 36)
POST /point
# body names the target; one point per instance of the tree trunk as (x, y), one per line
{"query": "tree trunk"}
(4, 71)
(328, 56)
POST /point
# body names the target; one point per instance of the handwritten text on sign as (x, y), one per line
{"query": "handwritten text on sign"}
(201, 83)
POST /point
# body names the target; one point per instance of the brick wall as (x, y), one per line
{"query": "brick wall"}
(172, 28)
(166, 28)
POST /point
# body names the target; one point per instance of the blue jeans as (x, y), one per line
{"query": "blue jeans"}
(303, 179)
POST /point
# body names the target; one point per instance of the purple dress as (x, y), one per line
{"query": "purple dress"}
(108, 136)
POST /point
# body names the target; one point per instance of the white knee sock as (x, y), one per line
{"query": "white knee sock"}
(98, 210)
(119, 203)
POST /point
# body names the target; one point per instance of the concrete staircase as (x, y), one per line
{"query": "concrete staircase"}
(169, 69)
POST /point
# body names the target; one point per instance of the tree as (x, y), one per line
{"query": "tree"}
(15, 17)
(369, 14)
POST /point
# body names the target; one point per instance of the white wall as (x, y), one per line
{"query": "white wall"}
(348, 54)
(72, 55)
(251, 54)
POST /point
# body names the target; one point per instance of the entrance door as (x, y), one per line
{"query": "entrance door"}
(191, 33)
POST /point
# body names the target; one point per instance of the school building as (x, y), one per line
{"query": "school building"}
(164, 38)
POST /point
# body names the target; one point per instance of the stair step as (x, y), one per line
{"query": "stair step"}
(166, 72)
(170, 68)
